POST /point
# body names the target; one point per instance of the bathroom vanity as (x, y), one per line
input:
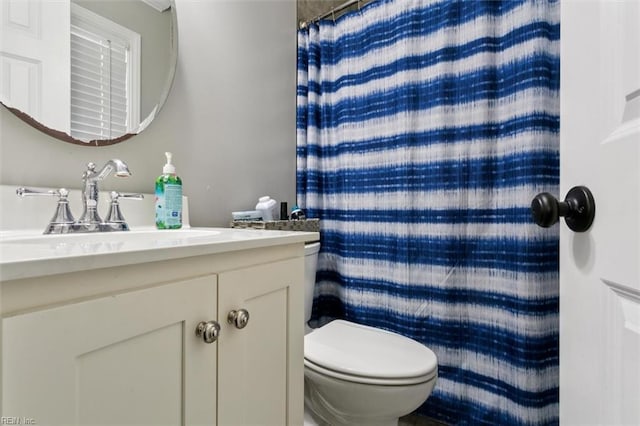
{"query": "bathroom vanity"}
(110, 328)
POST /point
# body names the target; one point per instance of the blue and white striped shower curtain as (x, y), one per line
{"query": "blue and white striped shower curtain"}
(425, 128)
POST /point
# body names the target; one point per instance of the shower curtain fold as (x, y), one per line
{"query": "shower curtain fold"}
(424, 129)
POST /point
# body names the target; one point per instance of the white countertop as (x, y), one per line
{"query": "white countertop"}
(27, 254)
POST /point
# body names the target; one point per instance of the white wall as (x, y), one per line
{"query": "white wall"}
(229, 119)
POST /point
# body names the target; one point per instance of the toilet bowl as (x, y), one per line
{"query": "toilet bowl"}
(360, 375)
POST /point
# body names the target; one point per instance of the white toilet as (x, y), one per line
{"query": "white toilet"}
(360, 375)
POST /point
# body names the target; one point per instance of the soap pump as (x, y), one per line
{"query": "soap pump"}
(168, 197)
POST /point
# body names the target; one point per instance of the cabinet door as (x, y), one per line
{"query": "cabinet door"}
(261, 366)
(127, 359)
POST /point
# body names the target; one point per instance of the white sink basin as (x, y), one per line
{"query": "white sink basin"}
(28, 253)
(113, 237)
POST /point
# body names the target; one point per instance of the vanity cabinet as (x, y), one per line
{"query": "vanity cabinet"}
(118, 346)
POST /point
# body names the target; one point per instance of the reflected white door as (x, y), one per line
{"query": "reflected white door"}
(600, 269)
(35, 59)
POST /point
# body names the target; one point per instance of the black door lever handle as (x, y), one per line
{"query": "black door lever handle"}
(578, 209)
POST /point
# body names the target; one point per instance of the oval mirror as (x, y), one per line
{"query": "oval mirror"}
(90, 72)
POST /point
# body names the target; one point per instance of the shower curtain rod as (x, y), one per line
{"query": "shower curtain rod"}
(333, 11)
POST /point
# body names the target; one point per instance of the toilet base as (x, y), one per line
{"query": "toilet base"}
(359, 405)
(312, 419)
(309, 417)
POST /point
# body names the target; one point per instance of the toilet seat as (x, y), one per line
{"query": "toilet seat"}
(369, 380)
(363, 354)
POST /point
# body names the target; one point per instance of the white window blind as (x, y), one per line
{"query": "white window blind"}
(101, 74)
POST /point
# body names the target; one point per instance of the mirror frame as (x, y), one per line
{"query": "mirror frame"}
(60, 135)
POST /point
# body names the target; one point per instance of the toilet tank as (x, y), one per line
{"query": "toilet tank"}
(310, 266)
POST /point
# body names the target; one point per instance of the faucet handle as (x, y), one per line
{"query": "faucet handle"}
(114, 216)
(26, 192)
(62, 219)
(115, 195)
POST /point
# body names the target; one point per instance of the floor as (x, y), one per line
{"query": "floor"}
(410, 420)
(414, 420)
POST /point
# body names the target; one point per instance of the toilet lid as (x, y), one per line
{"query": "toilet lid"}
(364, 351)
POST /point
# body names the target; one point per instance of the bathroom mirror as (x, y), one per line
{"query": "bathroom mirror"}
(89, 72)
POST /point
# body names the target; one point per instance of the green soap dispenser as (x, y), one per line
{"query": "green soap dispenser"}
(168, 197)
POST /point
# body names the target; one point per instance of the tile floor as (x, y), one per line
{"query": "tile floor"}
(415, 420)
(410, 420)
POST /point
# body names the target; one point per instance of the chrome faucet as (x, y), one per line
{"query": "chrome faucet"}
(62, 221)
(90, 219)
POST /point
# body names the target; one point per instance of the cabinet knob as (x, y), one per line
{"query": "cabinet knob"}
(209, 331)
(239, 318)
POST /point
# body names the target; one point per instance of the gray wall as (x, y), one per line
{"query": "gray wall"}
(229, 120)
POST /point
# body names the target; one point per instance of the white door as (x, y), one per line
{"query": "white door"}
(35, 67)
(126, 359)
(600, 269)
(260, 366)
